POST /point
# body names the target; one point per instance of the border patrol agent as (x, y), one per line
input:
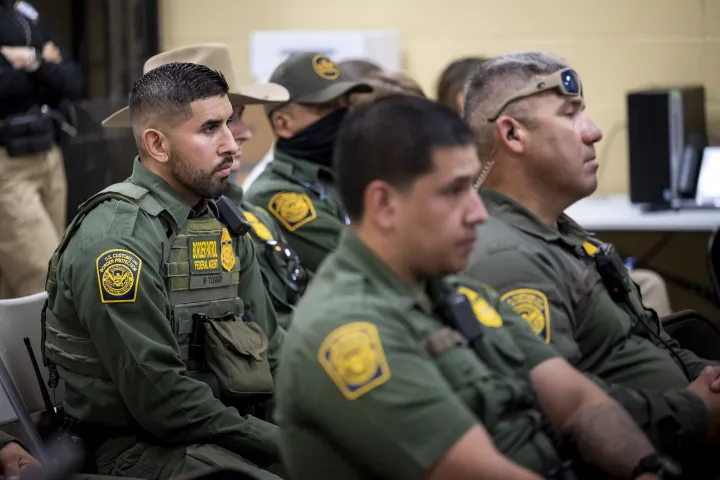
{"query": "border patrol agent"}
(297, 187)
(573, 290)
(284, 277)
(156, 303)
(394, 370)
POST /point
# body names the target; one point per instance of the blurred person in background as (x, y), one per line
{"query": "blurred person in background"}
(451, 82)
(37, 78)
(359, 69)
(386, 84)
(298, 186)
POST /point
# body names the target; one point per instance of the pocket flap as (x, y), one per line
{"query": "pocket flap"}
(245, 338)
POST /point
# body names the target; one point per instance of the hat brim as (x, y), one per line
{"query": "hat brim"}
(334, 91)
(255, 94)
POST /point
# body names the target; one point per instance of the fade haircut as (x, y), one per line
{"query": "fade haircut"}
(165, 94)
(493, 82)
(392, 139)
(452, 80)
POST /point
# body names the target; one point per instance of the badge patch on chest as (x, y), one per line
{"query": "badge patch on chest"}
(353, 357)
(118, 273)
(205, 254)
(485, 314)
(228, 253)
(258, 227)
(292, 209)
(534, 307)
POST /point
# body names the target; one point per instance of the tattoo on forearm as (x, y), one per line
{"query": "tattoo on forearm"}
(608, 438)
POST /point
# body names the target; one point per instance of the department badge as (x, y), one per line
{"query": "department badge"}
(325, 67)
(227, 253)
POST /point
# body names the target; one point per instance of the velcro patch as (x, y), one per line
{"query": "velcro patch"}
(353, 357)
(485, 314)
(292, 209)
(534, 307)
(118, 273)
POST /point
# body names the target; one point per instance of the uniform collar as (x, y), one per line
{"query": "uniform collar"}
(234, 193)
(289, 165)
(511, 211)
(351, 250)
(178, 209)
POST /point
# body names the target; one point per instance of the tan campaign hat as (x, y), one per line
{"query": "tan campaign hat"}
(217, 57)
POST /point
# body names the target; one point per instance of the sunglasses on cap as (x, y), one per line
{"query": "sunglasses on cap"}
(566, 81)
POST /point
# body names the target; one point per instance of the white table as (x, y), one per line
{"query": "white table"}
(616, 213)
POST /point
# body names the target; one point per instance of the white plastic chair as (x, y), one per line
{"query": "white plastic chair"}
(20, 318)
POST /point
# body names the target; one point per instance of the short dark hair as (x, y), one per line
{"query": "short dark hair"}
(392, 139)
(356, 70)
(452, 79)
(167, 91)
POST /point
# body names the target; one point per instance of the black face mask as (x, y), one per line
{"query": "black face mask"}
(316, 142)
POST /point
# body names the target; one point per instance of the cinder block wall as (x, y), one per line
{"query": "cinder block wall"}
(616, 45)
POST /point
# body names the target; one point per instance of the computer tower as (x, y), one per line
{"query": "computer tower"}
(666, 134)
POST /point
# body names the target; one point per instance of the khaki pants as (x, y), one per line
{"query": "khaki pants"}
(33, 203)
(654, 291)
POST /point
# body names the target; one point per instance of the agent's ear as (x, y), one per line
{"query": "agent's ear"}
(281, 120)
(511, 133)
(381, 204)
(156, 144)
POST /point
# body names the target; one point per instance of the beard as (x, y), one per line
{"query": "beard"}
(197, 181)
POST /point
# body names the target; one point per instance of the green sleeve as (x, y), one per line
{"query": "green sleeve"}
(529, 283)
(402, 419)
(312, 240)
(692, 362)
(141, 355)
(255, 297)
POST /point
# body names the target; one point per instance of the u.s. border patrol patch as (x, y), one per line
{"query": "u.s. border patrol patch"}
(118, 273)
(353, 357)
(325, 67)
(292, 209)
(534, 307)
(227, 253)
(485, 314)
(262, 231)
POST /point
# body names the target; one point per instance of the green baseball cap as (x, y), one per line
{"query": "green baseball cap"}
(312, 79)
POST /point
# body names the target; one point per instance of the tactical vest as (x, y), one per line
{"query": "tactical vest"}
(200, 269)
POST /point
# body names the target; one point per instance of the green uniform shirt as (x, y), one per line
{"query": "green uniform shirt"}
(303, 198)
(548, 274)
(361, 395)
(148, 385)
(274, 272)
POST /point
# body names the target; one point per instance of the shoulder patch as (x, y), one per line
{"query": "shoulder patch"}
(485, 314)
(118, 273)
(534, 307)
(353, 357)
(590, 249)
(292, 209)
(227, 253)
(260, 229)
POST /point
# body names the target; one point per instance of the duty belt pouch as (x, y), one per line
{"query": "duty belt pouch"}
(28, 133)
(236, 352)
